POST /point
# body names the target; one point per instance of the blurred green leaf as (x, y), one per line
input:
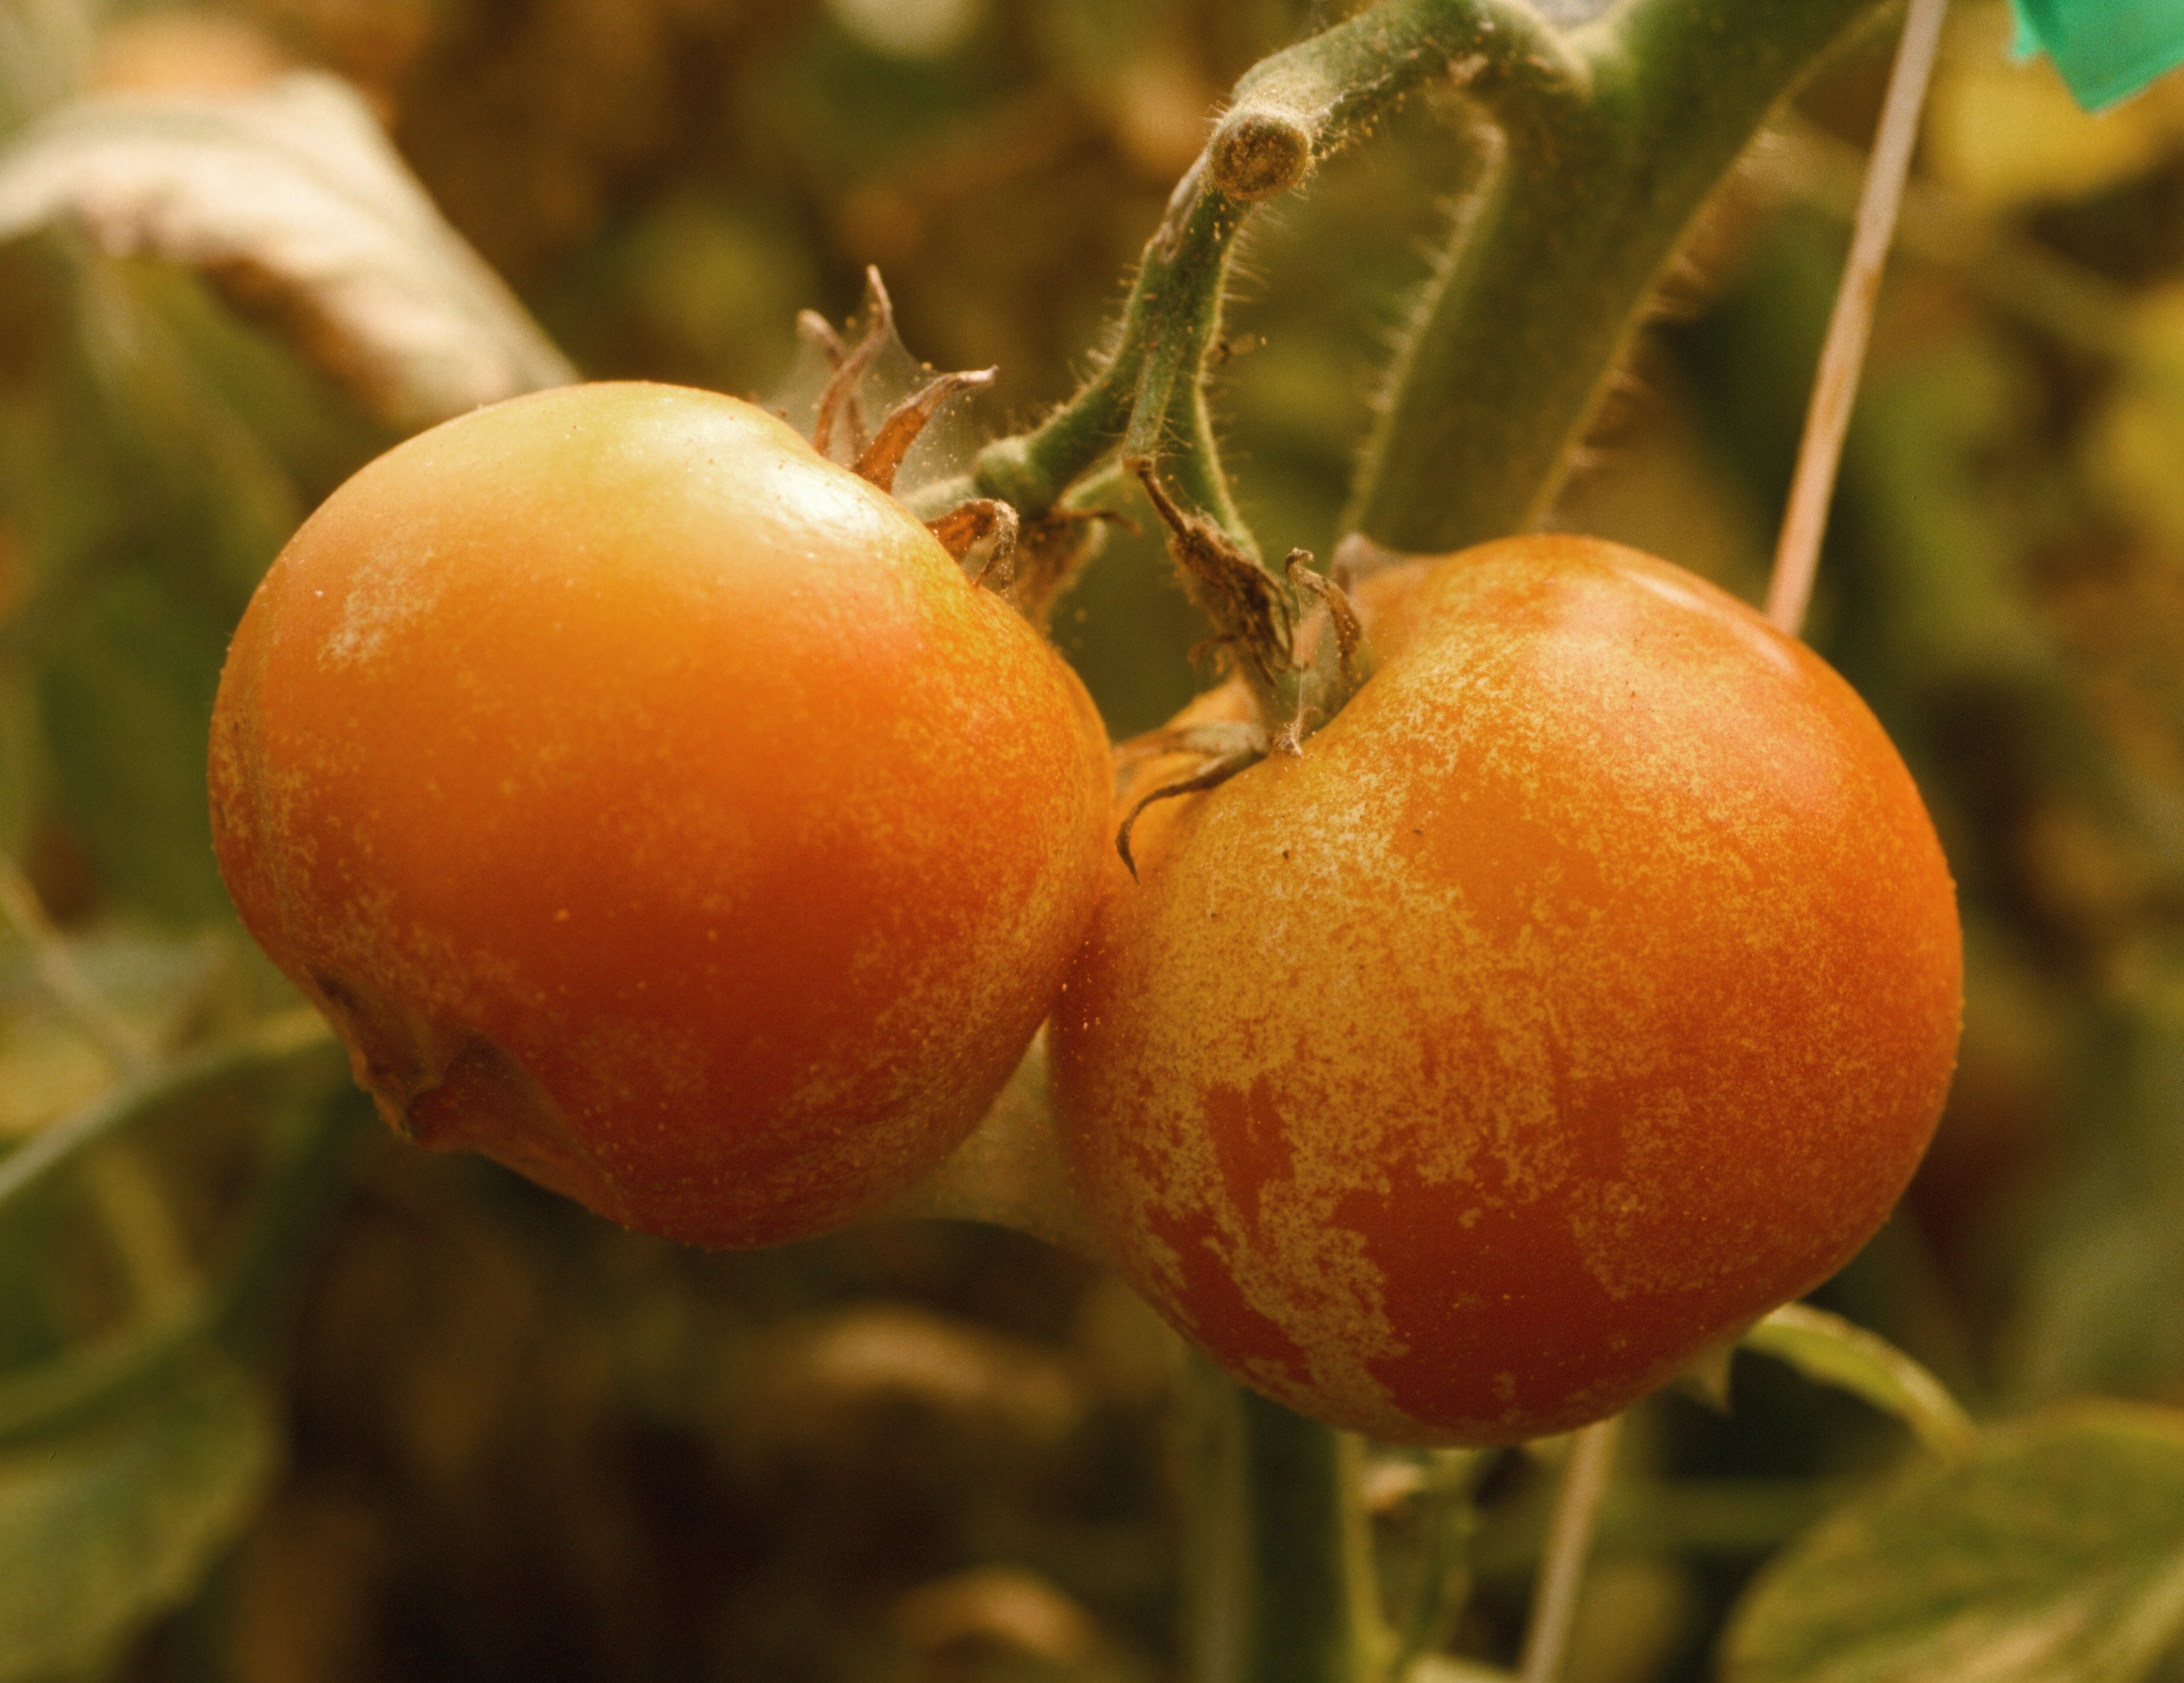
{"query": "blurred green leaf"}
(2054, 1555)
(153, 982)
(20, 759)
(1933, 438)
(1830, 1350)
(282, 1059)
(128, 698)
(2097, 1306)
(115, 1520)
(30, 1328)
(207, 504)
(2134, 443)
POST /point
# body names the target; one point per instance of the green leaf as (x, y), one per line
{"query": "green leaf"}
(20, 761)
(128, 699)
(2055, 1554)
(1830, 1350)
(28, 1327)
(114, 1521)
(2095, 1308)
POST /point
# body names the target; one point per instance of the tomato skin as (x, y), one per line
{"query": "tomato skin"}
(655, 807)
(1587, 987)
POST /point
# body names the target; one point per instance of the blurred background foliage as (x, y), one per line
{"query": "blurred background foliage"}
(281, 1402)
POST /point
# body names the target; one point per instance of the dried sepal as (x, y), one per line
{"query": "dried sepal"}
(1348, 630)
(969, 524)
(1210, 776)
(837, 403)
(813, 326)
(1250, 618)
(880, 460)
(1208, 738)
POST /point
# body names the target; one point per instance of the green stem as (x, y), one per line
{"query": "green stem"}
(1213, 1540)
(1316, 1619)
(1445, 1575)
(1729, 1519)
(1278, 1559)
(1289, 112)
(1168, 327)
(1561, 1573)
(1549, 273)
(1332, 88)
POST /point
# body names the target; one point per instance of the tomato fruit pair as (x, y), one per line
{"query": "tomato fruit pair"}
(655, 806)
(1588, 986)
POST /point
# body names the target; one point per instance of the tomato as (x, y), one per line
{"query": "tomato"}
(655, 807)
(1587, 987)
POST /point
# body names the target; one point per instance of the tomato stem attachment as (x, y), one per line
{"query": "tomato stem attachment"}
(1250, 611)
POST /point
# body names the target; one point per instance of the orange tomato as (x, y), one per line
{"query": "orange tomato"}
(1588, 987)
(655, 807)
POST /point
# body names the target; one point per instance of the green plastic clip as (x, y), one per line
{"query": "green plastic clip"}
(2107, 50)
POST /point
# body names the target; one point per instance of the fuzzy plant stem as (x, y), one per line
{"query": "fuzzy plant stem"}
(1153, 380)
(1551, 266)
(1289, 114)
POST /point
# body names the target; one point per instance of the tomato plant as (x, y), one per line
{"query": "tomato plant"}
(1588, 987)
(655, 806)
(1507, 1014)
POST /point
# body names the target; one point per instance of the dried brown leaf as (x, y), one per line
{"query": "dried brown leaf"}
(290, 199)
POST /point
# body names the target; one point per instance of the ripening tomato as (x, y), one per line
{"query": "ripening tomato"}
(1588, 987)
(655, 807)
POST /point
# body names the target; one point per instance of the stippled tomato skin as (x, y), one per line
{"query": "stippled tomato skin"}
(1588, 987)
(655, 807)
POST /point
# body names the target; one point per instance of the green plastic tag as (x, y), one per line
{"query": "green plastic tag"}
(2107, 50)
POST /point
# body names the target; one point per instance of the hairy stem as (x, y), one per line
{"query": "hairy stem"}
(1289, 112)
(1301, 107)
(1549, 273)
(1148, 388)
